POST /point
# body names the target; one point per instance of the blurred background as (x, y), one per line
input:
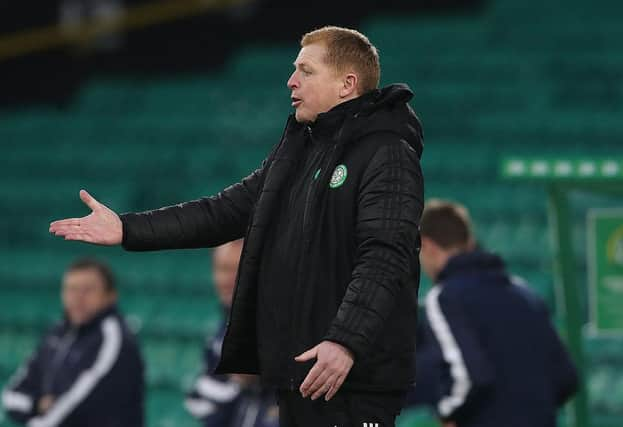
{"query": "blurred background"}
(149, 103)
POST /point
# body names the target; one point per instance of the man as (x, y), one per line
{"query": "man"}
(324, 295)
(87, 371)
(228, 400)
(498, 358)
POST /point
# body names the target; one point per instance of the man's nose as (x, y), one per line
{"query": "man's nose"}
(293, 81)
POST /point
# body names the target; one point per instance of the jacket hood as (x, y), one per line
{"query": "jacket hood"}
(380, 110)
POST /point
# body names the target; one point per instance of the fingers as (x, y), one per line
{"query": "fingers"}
(328, 373)
(56, 225)
(326, 384)
(63, 230)
(311, 377)
(64, 226)
(308, 355)
(335, 387)
(71, 229)
(321, 386)
(88, 200)
(83, 237)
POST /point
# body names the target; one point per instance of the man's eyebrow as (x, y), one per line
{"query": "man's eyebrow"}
(301, 65)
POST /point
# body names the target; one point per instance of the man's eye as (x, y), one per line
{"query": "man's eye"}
(306, 72)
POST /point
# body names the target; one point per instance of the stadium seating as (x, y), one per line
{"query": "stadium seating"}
(510, 81)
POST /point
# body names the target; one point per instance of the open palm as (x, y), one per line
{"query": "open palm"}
(102, 226)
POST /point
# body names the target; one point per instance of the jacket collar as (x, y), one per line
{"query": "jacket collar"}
(94, 322)
(328, 123)
(380, 110)
(469, 263)
(367, 103)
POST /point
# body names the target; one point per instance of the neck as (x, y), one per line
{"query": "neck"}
(353, 95)
(347, 98)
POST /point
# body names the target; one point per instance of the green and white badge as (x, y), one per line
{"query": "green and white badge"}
(339, 176)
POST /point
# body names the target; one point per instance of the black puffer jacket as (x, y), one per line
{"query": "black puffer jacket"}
(351, 269)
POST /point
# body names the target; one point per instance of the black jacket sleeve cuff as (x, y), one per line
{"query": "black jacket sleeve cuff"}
(353, 342)
(130, 222)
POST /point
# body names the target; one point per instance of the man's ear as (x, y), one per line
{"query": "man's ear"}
(432, 248)
(349, 86)
(426, 244)
(471, 244)
(113, 296)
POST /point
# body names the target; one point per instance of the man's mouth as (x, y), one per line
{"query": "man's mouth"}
(296, 101)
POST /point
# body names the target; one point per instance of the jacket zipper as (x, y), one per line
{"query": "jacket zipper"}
(66, 343)
(305, 240)
(311, 186)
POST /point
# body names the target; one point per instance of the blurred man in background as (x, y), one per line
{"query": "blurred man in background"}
(233, 400)
(87, 371)
(499, 360)
(327, 275)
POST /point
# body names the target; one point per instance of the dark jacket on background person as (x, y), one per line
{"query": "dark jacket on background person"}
(430, 366)
(218, 401)
(330, 223)
(500, 361)
(94, 373)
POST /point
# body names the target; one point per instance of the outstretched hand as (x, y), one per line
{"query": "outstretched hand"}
(333, 362)
(102, 226)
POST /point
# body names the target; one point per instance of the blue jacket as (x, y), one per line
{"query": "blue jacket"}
(218, 401)
(497, 357)
(94, 373)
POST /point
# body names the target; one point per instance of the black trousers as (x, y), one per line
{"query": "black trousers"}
(345, 409)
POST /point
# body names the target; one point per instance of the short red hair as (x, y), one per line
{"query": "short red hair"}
(349, 50)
